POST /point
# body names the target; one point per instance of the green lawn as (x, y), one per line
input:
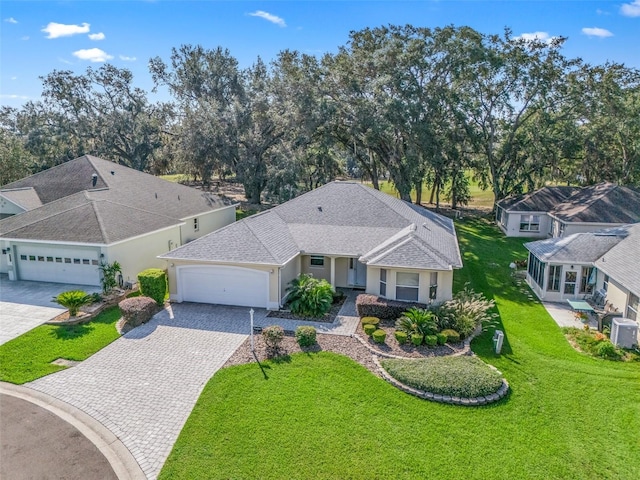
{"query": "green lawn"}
(29, 356)
(324, 416)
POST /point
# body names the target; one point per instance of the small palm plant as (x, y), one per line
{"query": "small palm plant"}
(73, 300)
(309, 296)
(418, 321)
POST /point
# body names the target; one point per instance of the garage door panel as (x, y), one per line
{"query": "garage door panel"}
(58, 265)
(224, 286)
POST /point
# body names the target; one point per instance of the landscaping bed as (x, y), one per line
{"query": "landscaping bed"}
(328, 317)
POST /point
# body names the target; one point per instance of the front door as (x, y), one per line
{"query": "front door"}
(570, 278)
(357, 273)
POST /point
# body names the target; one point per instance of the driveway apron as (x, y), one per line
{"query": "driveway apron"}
(144, 385)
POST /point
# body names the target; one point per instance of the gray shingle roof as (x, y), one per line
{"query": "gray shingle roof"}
(622, 262)
(124, 200)
(541, 200)
(340, 218)
(579, 247)
(602, 203)
(26, 197)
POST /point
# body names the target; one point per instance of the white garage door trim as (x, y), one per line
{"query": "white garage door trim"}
(58, 265)
(223, 285)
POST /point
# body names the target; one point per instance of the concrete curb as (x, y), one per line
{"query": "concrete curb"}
(119, 457)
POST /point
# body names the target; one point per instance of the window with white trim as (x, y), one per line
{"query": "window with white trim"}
(632, 308)
(570, 279)
(553, 282)
(316, 261)
(529, 223)
(586, 282)
(383, 282)
(605, 283)
(407, 286)
(433, 285)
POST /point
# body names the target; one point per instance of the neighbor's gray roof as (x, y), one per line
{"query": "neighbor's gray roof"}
(542, 200)
(578, 248)
(622, 262)
(69, 185)
(602, 203)
(26, 197)
(340, 218)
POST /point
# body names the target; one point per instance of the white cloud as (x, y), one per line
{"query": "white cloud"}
(13, 96)
(269, 17)
(597, 32)
(56, 30)
(96, 36)
(10, 20)
(631, 9)
(542, 36)
(602, 12)
(26, 37)
(14, 78)
(93, 55)
(63, 60)
(127, 59)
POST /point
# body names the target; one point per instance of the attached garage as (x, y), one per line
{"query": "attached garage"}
(58, 264)
(223, 285)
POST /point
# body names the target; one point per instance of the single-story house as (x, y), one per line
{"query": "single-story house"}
(561, 211)
(61, 224)
(345, 232)
(576, 266)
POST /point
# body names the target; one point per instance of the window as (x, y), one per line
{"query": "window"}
(40, 258)
(433, 286)
(570, 282)
(76, 261)
(23, 257)
(67, 260)
(407, 286)
(196, 227)
(605, 283)
(632, 308)
(587, 279)
(536, 269)
(317, 261)
(561, 231)
(94, 262)
(32, 258)
(58, 259)
(49, 259)
(383, 282)
(553, 283)
(529, 223)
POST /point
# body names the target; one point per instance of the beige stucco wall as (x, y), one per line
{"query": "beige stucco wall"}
(445, 283)
(617, 296)
(4, 258)
(512, 228)
(342, 272)
(287, 273)
(207, 223)
(141, 253)
(317, 272)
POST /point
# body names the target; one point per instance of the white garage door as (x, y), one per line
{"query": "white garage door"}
(58, 264)
(224, 285)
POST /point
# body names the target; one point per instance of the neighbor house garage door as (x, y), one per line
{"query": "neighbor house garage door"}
(224, 285)
(58, 264)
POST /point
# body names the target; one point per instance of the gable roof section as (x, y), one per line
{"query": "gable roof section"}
(542, 200)
(622, 262)
(601, 203)
(579, 247)
(25, 198)
(339, 218)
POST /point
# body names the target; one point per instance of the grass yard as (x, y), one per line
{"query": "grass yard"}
(29, 356)
(324, 416)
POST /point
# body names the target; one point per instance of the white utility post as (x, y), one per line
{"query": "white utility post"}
(251, 312)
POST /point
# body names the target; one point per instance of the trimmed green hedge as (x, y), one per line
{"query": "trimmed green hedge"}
(153, 284)
(466, 377)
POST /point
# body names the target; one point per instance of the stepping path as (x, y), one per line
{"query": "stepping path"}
(144, 385)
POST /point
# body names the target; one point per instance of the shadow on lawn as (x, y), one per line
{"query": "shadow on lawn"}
(71, 332)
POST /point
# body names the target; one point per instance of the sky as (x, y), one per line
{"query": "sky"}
(37, 37)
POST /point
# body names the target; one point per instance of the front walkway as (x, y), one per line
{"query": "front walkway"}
(144, 385)
(25, 305)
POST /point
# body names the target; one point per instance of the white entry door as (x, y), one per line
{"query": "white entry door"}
(357, 275)
(223, 285)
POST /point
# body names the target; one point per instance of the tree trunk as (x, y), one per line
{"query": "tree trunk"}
(419, 193)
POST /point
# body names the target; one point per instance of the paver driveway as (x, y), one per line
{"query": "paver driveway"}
(144, 385)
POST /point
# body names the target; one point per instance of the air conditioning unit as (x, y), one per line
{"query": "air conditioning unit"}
(624, 332)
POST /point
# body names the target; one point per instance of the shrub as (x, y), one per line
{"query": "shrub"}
(431, 340)
(308, 296)
(379, 336)
(606, 349)
(370, 321)
(417, 320)
(153, 284)
(374, 306)
(452, 335)
(466, 377)
(417, 338)
(369, 329)
(273, 336)
(401, 337)
(442, 339)
(464, 312)
(306, 335)
(109, 272)
(137, 310)
(73, 300)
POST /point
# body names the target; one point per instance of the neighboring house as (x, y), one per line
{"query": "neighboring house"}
(59, 225)
(562, 211)
(344, 232)
(575, 266)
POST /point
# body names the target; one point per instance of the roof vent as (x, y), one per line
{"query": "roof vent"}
(94, 179)
(112, 172)
(156, 195)
(319, 209)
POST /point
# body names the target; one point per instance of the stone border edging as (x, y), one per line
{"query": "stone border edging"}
(436, 397)
(119, 457)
